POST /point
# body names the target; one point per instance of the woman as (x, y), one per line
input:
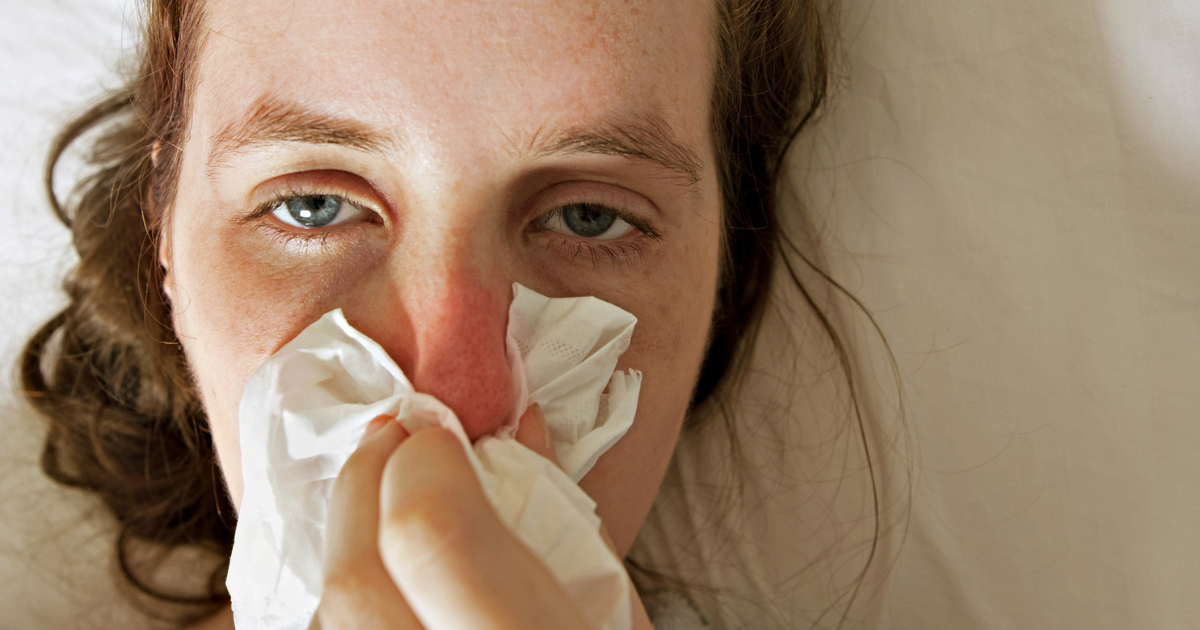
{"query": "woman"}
(407, 162)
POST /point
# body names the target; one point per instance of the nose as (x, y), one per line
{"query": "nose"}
(441, 312)
(459, 323)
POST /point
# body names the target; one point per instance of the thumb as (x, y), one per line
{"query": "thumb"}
(457, 564)
(533, 433)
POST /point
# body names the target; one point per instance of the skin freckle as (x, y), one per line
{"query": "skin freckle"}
(457, 86)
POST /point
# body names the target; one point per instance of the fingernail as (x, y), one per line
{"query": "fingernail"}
(537, 410)
(375, 425)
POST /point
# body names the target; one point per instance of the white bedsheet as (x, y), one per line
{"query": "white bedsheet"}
(54, 549)
(1012, 186)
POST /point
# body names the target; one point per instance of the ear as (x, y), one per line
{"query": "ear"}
(163, 237)
(164, 260)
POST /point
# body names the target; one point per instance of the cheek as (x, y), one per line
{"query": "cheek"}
(674, 308)
(233, 306)
(240, 294)
(235, 309)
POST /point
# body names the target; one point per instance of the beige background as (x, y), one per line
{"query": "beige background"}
(1013, 187)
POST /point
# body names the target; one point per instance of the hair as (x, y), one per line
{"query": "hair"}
(775, 68)
(110, 378)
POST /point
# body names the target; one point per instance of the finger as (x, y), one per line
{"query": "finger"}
(354, 503)
(359, 593)
(457, 563)
(535, 435)
(641, 619)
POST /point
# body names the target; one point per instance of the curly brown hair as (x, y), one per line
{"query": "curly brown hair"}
(111, 380)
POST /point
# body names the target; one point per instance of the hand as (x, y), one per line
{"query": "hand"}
(412, 537)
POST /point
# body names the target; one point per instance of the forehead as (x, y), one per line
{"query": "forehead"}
(438, 69)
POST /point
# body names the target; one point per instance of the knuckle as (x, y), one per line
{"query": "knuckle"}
(343, 582)
(344, 593)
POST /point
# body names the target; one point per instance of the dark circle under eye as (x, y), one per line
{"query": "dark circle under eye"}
(314, 210)
(587, 220)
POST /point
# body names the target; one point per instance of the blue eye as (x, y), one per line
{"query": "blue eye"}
(586, 220)
(315, 211)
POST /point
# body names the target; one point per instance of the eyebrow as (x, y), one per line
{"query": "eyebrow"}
(275, 122)
(645, 136)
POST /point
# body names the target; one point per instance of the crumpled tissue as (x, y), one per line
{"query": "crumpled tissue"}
(304, 411)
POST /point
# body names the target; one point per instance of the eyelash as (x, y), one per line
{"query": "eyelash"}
(269, 206)
(603, 251)
(597, 251)
(316, 239)
(617, 253)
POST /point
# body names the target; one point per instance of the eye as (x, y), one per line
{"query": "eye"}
(315, 211)
(586, 220)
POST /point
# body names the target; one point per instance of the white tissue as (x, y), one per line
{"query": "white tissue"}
(306, 408)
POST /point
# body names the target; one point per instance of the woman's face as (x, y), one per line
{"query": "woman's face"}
(407, 161)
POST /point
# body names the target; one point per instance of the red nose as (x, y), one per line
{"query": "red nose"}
(459, 337)
(444, 324)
